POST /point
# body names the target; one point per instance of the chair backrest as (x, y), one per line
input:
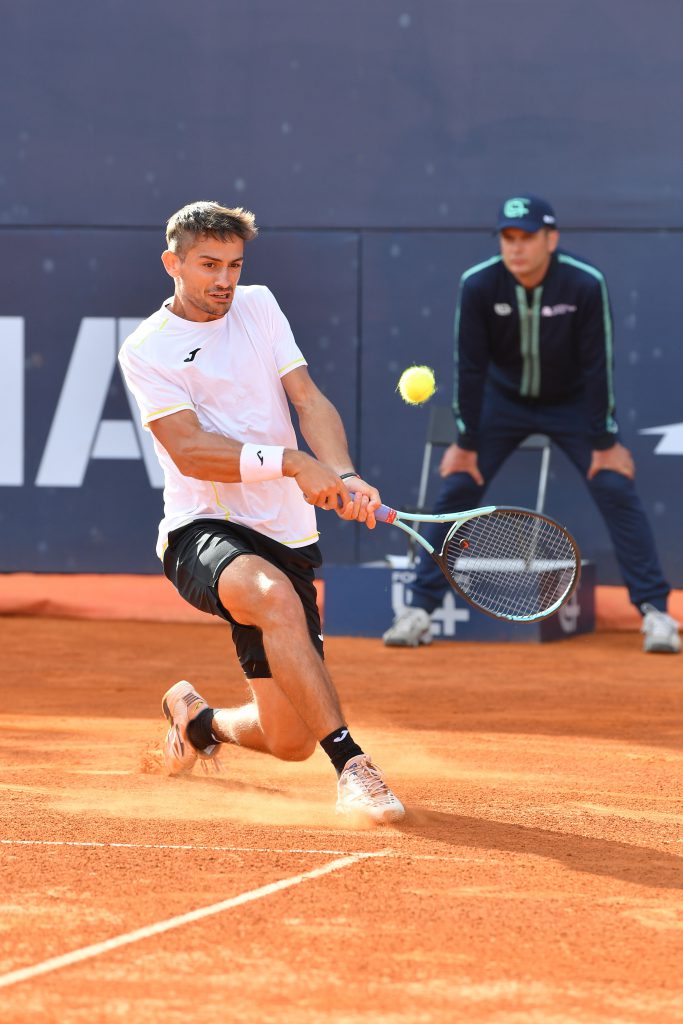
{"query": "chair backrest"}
(441, 430)
(441, 427)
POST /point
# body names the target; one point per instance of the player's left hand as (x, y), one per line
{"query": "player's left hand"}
(617, 458)
(362, 506)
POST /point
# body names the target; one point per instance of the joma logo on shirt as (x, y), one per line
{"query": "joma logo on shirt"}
(193, 353)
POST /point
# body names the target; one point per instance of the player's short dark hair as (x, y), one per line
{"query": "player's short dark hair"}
(203, 218)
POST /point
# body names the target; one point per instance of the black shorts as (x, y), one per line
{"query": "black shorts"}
(198, 553)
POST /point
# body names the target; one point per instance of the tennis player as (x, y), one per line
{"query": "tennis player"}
(214, 371)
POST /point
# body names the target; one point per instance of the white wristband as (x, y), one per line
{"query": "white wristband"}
(260, 462)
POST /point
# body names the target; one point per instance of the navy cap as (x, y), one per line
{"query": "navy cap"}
(528, 213)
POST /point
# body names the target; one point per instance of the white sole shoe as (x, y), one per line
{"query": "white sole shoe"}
(412, 628)
(181, 704)
(362, 791)
(660, 632)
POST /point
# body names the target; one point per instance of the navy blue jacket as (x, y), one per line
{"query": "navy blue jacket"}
(551, 344)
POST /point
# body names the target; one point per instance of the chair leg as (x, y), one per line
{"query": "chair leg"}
(421, 498)
(424, 476)
(543, 479)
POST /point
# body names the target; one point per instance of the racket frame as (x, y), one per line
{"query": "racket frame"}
(386, 514)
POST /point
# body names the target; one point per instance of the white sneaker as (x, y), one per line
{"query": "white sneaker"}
(362, 790)
(409, 629)
(181, 704)
(660, 630)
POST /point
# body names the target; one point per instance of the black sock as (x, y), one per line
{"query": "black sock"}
(199, 730)
(340, 748)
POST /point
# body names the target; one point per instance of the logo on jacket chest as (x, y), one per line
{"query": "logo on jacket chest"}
(561, 309)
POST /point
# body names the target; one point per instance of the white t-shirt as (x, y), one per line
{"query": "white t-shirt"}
(229, 372)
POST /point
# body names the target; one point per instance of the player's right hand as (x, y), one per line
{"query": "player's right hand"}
(319, 483)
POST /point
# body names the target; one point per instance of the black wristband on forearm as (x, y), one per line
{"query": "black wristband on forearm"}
(344, 476)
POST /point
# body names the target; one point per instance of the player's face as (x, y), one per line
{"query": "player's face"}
(206, 276)
(527, 254)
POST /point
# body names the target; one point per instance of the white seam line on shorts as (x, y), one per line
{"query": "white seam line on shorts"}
(86, 952)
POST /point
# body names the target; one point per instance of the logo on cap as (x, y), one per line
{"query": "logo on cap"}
(515, 208)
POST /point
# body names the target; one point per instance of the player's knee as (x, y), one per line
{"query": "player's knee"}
(278, 600)
(251, 589)
(291, 749)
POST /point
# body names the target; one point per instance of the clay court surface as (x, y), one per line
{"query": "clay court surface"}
(537, 879)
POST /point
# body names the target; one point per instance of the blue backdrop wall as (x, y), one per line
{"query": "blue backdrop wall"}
(374, 141)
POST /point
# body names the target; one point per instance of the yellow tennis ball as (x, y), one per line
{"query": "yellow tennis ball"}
(416, 384)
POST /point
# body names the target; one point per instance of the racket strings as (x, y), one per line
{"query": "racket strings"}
(516, 565)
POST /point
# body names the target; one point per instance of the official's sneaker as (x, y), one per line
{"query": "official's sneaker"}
(660, 631)
(361, 790)
(409, 629)
(181, 704)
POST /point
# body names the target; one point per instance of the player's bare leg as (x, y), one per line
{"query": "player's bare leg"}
(290, 711)
(268, 724)
(241, 726)
(258, 594)
(299, 705)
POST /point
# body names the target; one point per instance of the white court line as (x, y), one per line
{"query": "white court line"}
(388, 852)
(78, 955)
(169, 846)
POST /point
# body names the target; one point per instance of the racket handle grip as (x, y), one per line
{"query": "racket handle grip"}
(383, 514)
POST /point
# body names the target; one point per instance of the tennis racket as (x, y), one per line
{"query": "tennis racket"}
(511, 563)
